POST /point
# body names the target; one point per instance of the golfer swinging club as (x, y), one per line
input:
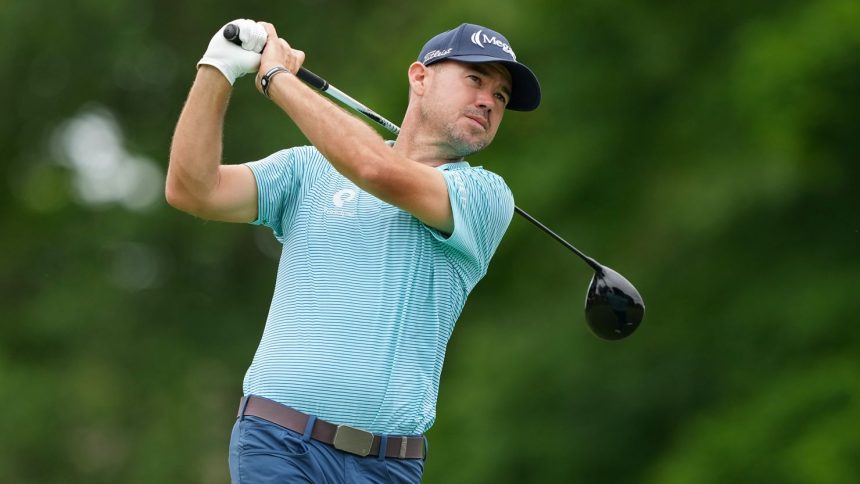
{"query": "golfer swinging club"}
(382, 243)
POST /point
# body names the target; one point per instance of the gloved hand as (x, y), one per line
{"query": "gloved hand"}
(234, 61)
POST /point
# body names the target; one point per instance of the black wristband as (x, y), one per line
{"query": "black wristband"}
(266, 81)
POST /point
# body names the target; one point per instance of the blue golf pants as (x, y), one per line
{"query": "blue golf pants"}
(264, 452)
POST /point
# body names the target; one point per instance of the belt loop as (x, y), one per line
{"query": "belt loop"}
(309, 428)
(242, 405)
(383, 446)
(426, 447)
(403, 441)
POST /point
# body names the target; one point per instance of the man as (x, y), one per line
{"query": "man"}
(381, 245)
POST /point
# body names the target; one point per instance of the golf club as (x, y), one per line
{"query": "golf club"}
(613, 307)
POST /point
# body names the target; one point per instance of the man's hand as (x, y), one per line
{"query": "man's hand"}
(278, 53)
(234, 61)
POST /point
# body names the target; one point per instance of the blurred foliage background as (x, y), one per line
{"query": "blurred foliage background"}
(702, 149)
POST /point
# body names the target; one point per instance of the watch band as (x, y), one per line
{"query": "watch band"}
(266, 81)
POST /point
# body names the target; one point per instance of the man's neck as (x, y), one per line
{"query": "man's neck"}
(424, 148)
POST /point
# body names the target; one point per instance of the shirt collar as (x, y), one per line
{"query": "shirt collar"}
(454, 165)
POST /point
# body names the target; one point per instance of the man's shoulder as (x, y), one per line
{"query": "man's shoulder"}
(298, 160)
(304, 154)
(478, 174)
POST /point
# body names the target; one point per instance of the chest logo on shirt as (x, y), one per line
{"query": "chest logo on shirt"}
(341, 200)
(343, 196)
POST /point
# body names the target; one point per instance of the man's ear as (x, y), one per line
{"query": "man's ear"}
(418, 77)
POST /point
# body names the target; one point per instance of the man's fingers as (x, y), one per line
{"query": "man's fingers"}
(270, 29)
(279, 52)
(257, 37)
(300, 56)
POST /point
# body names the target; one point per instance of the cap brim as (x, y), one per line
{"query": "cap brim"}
(525, 88)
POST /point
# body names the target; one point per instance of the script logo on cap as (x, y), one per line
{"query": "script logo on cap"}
(436, 53)
(479, 39)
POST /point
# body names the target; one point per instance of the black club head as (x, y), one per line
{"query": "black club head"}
(613, 307)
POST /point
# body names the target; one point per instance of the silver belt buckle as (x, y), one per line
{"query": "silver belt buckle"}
(353, 440)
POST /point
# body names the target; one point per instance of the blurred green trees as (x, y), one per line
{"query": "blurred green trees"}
(704, 150)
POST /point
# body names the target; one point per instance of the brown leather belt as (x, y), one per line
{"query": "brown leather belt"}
(342, 437)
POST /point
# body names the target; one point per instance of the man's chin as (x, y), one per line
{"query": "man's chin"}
(465, 142)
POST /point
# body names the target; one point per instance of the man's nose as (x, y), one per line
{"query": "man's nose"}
(485, 99)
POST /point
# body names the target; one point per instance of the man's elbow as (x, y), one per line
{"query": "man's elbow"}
(374, 174)
(369, 175)
(179, 198)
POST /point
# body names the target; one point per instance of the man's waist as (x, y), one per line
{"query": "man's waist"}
(383, 400)
(399, 411)
(343, 437)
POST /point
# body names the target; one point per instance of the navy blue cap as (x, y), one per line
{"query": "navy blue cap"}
(476, 44)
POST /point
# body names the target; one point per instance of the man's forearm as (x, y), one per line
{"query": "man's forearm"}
(195, 154)
(356, 151)
(352, 147)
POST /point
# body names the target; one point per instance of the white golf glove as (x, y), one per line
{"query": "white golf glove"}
(234, 61)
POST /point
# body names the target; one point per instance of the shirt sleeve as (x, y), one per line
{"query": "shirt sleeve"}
(278, 179)
(483, 207)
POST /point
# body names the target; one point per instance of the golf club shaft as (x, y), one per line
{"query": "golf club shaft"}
(344, 98)
(370, 114)
(231, 33)
(588, 260)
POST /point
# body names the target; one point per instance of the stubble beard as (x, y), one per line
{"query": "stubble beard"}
(454, 134)
(459, 143)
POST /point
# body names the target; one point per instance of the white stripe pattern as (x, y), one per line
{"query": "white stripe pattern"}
(366, 295)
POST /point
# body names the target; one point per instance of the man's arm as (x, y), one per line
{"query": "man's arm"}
(352, 147)
(197, 183)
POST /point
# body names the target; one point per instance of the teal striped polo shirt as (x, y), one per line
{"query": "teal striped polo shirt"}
(366, 295)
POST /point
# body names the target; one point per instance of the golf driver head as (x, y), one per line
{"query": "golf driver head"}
(613, 307)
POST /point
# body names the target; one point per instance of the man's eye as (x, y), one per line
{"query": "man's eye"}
(475, 78)
(501, 98)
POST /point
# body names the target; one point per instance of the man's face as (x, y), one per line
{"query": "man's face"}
(465, 103)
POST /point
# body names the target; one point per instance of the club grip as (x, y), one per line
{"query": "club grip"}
(231, 33)
(312, 79)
